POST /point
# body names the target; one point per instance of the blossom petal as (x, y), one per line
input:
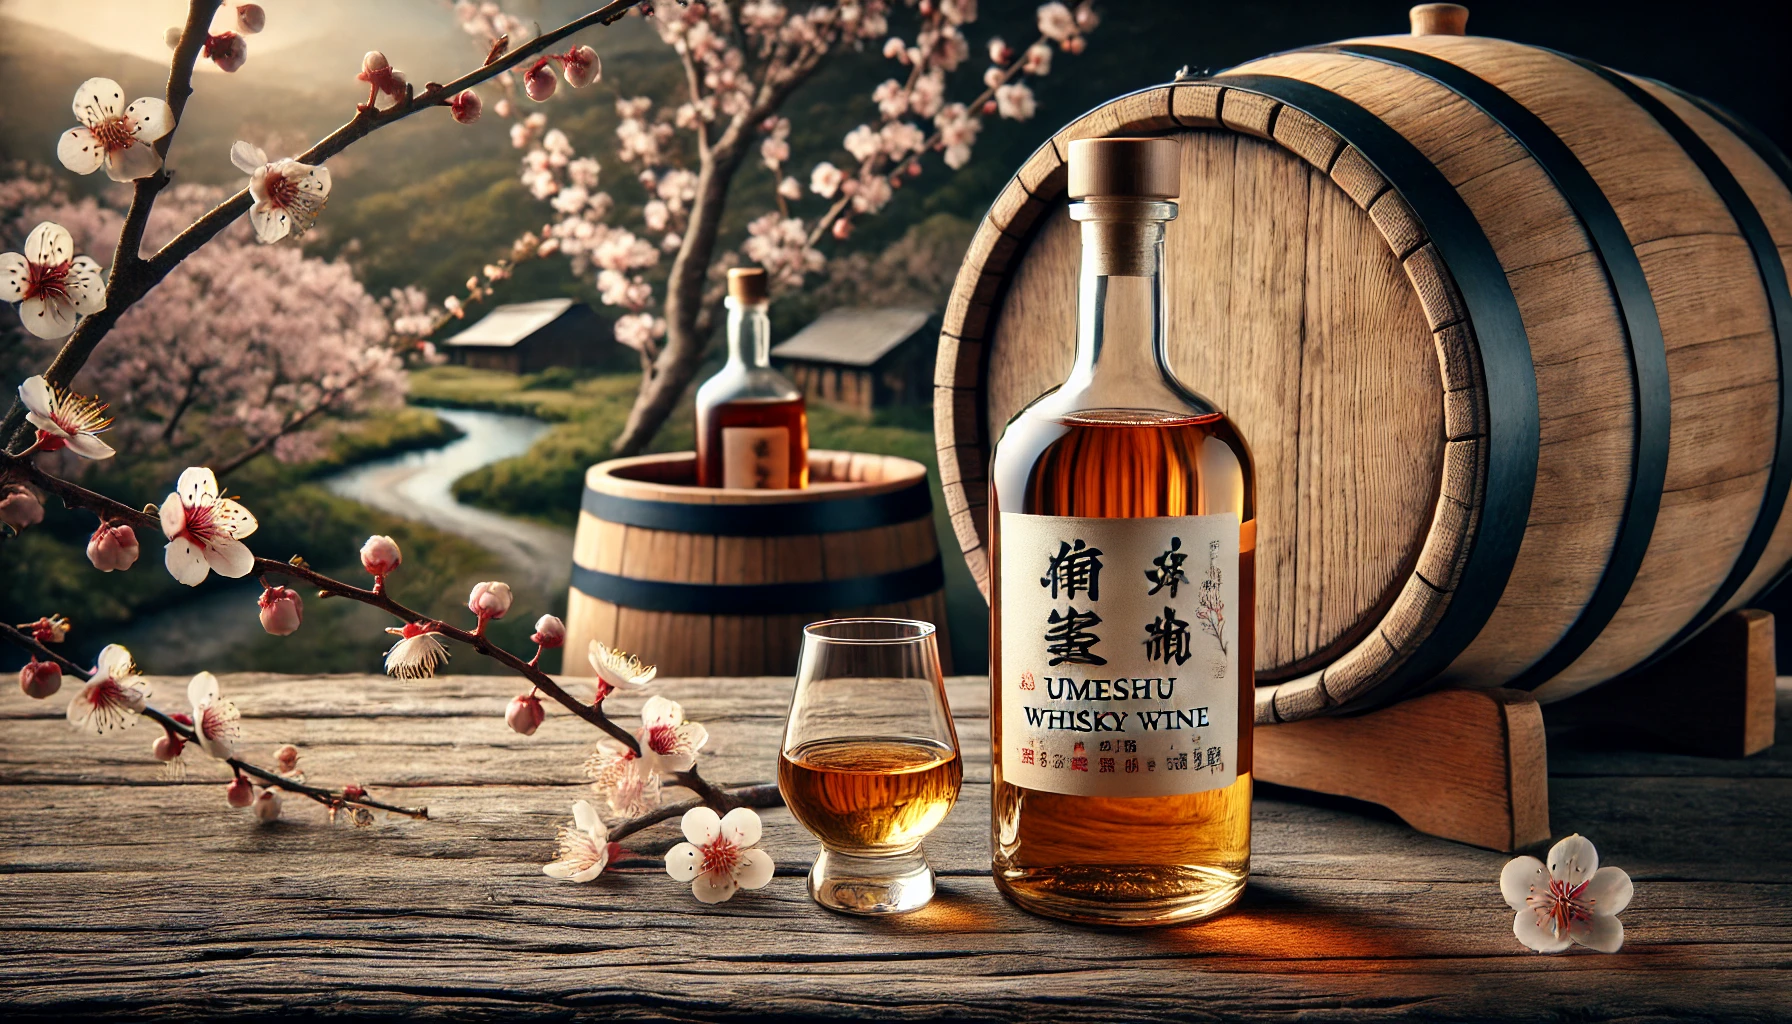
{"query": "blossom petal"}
(596, 868)
(1522, 878)
(271, 223)
(15, 270)
(49, 244)
(702, 825)
(585, 816)
(248, 157)
(151, 118)
(1573, 860)
(1599, 932)
(203, 689)
(35, 392)
(661, 711)
(173, 518)
(234, 519)
(114, 662)
(684, 861)
(48, 317)
(229, 557)
(558, 869)
(185, 562)
(80, 150)
(197, 486)
(86, 285)
(89, 447)
(316, 182)
(711, 887)
(741, 827)
(98, 99)
(754, 870)
(1527, 926)
(1609, 892)
(137, 160)
(674, 763)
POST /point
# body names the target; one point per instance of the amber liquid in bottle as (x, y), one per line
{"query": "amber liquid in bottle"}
(870, 794)
(1121, 439)
(752, 425)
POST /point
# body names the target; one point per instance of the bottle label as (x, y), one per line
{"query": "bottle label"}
(1119, 654)
(756, 458)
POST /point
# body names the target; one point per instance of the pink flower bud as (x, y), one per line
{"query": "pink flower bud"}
(353, 792)
(286, 758)
(250, 18)
(1086, 18)
(267, 806)
(539, 81)
(1000, 52)
(20, 508)
(914, 168)
(239, 793)
(843, 229)
(380, 555)
(549, 631)
(466, 106)
(1075, 45)
(168, 747)
(373, 61)
(227, 50)
(524, 714)
(40, 679)
(281, 610)
(112, 547)
(581, 66)
(894, 49)
(489, 600)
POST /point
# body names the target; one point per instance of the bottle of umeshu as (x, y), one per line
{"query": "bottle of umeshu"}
(752, 430)
(1123, 596)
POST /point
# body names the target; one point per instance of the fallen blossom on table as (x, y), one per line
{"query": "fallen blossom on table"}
(584, 846)
(204, 530)
(52, 287)
(1571, 899)
(113, 698)
(717, 859)
(214, 718)
(418, 653)
(120, 137)
(267, 806)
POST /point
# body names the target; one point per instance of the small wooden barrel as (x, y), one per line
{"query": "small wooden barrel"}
(1504, 329)
(703, 581)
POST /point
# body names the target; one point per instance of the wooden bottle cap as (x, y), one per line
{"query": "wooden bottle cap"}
(747, 285)
(1125, 168)
(1439, 20)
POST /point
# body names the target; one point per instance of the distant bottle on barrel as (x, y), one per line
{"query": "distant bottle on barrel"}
(752, 428)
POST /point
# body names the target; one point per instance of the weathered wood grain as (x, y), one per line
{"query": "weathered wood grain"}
(126, 897)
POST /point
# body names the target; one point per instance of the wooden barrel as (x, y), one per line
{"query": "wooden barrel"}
(1504, 330)
(703, 581)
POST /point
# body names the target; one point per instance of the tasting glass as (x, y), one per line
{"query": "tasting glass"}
(870, 762)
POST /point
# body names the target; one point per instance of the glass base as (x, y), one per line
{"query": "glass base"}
(1137, 895)
(892, 884)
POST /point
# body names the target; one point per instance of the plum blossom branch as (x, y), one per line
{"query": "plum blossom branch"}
(334, 799)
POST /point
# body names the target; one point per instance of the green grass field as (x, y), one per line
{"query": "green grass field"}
(589, 413)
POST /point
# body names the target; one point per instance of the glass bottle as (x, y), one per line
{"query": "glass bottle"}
(752, 429)
(1123, 596)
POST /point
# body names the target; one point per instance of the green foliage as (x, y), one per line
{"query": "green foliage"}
(554, 378)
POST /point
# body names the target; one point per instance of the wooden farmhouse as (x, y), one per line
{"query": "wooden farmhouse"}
(527, 337)
(863, 359)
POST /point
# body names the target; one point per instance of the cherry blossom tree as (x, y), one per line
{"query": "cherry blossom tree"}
(742, 62)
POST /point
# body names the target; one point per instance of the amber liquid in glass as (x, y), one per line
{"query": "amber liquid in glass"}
(1126, 860)
(867, 795)
(753, 412)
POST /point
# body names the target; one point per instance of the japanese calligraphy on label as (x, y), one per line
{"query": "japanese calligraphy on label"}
(757, 458)
(1119, 645)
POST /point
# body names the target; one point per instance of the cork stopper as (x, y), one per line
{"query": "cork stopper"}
(746, 285)
(1125, 169)
(1439, 20)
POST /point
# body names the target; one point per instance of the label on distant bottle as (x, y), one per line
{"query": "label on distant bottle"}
(757, 458)
(1119, 654)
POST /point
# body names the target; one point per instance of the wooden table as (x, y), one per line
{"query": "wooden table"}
(123, 896)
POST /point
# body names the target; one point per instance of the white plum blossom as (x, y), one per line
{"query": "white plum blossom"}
(205, 531)
(717, 858)
(891, 98)
(863, 143)
(288, 195)
(1015, 101)
(50, 283)
(65, 420)
(626, 782)
(1570, 899)
(928, 94)
(825, 179)
(669, 744)
(616, 669)
(120, 137)
(418, 653)
(639, 331)
(214, 718)
(1056, 22)
(584, 846)
(114, 697)
(790, 188)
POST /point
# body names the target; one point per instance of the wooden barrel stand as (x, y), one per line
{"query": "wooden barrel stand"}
(705, 581)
